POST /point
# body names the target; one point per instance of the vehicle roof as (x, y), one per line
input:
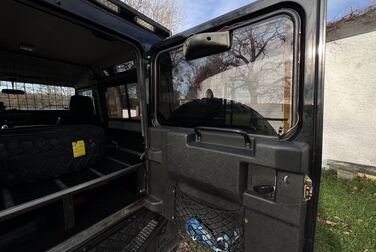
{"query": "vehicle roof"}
(124, 23)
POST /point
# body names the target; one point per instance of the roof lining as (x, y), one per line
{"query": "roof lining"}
(57, 40)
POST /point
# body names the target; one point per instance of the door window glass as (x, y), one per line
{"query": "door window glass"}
(123, 102)
(248, 87)
(134, 103)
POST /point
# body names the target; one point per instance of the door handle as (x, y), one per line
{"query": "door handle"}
(247, 140)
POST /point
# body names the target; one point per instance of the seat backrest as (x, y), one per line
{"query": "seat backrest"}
(81, 109)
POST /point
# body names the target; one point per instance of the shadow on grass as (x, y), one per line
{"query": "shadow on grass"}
(326, 240)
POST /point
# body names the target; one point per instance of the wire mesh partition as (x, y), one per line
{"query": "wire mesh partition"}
(212, 229)
(45, 84)
(36, 96)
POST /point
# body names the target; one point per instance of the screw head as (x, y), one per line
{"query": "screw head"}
(286, 180)
(245, 221)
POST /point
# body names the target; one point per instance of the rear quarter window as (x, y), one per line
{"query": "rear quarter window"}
(123, 102)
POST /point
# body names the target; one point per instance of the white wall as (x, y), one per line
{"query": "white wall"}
(350, 100)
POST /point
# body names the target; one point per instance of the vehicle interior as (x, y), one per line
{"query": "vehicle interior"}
(70, 125)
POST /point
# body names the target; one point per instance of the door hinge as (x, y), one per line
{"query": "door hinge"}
(155, 155)
(308, 188)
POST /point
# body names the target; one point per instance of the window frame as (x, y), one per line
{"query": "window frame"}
(296, 111)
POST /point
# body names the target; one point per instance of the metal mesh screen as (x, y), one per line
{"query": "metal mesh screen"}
(213, 229)
(30, 69)
(36, 97)
(48, 84)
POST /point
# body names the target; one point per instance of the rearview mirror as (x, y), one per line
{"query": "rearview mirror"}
(205, 44)
(13, 91)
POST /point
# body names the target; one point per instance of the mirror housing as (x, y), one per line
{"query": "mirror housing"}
(205, 44)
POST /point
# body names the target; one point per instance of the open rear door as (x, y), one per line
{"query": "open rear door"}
(234, 147)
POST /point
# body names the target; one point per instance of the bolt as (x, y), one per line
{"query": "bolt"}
(286, 180)
(142, 190)
(245, 221)
(173, 218)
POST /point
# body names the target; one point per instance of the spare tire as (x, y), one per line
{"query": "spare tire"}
(32, 154)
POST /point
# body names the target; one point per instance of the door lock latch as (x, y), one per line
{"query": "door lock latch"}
(308, 188)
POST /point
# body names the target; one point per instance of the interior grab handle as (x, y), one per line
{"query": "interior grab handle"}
(247, 140)
(264, 189)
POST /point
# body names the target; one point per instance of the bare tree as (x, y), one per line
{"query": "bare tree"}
(257, 51)
(165, 12)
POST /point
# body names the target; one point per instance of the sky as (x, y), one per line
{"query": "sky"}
(199, 11)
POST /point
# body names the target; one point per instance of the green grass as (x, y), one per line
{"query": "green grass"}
(347, 215)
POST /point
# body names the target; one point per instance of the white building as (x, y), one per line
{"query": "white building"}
(350, 91)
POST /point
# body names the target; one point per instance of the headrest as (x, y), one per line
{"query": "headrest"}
(81, 106)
